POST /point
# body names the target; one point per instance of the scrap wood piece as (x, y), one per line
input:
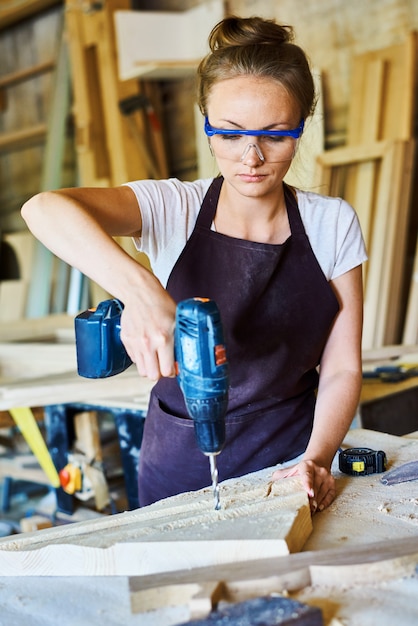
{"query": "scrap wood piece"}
(337, 567)
(258, 519)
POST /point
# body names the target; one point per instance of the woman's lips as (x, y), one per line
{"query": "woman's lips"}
(252, 178)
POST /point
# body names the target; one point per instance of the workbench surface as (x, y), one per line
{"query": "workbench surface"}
(367, 517)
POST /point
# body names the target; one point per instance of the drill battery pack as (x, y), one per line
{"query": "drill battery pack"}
(100, 351)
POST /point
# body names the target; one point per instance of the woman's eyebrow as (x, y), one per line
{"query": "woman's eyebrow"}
(273, 126)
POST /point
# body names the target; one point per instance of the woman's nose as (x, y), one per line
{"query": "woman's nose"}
(249, 153)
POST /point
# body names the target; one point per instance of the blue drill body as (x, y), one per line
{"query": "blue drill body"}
(202, 368)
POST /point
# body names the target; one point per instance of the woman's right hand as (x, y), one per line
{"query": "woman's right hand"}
(147, 330)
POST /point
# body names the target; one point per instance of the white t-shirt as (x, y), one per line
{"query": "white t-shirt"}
(169, 210)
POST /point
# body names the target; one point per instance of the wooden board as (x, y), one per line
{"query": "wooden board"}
(382, 95)
(257, 519)
(52, 328)
(69, 387)
(372, 564)
(14, 12)
(176, 52)
(382, 204)
(381, 113)
(107, 152)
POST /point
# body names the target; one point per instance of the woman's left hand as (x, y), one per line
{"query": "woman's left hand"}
(317, 480)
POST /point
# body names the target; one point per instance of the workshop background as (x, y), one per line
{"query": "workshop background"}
(84, 103)
(101, 92)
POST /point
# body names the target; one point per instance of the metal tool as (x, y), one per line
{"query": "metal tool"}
(200, 356)
(265, 611)
(391, 373)
(402, 474)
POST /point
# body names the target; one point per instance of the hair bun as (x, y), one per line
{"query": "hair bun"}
(234, 31)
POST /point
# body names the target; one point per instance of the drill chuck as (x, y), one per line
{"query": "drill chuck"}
(209, 423)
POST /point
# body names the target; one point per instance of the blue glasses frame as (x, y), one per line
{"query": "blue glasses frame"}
(295, 132)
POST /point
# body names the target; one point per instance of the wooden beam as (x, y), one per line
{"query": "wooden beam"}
(340, 567)
(22, 139)
(14, 78)
(18, 11)
(353, 154)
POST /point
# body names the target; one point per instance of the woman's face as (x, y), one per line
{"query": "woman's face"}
(254, 165)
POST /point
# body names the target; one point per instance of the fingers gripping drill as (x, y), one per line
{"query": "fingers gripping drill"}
(201, 364)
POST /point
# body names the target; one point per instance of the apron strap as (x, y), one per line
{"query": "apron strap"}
(210, 202)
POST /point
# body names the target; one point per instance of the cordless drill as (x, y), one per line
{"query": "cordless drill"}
(200, 357)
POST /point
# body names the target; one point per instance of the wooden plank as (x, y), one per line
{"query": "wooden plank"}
(178, 49)
(15, 12)
(382, 101)
(106, 150)
(258, 518)
(22, 361)
(23, 467)
(382, 304)
(23, 138)
(353, 154)
(338, 567)
(381, 109)
(389, 353)
(53, 328)
(14, 78)
(69, 387)
(382, 192)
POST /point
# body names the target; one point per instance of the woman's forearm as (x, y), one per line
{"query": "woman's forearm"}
(336, 405)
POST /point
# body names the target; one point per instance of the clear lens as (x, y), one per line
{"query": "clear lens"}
(239, 147)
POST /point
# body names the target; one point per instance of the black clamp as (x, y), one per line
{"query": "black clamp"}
(362, 461)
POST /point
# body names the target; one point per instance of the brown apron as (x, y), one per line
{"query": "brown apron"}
(277, 309)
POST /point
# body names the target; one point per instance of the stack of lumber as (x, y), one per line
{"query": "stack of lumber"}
(374, 172)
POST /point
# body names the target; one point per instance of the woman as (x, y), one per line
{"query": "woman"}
(283, 265)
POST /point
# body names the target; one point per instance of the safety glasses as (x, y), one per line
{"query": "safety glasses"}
(271, 145)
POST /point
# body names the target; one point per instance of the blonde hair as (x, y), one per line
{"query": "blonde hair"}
(258, 47)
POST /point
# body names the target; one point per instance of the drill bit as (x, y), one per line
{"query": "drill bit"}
(215, 486)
